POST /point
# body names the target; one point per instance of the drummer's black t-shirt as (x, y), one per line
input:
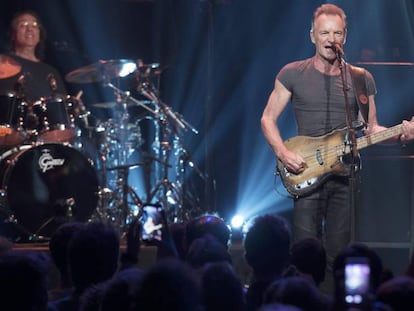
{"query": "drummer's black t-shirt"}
(36, 82)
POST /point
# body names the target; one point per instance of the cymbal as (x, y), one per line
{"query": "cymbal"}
(102, 70)
(8, 67)
(111, 105)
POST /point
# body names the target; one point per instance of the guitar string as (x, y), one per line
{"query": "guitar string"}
(333, 151)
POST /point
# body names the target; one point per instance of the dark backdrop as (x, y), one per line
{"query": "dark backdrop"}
(218, 60)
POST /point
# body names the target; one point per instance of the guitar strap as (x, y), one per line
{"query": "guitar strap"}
(360, 90)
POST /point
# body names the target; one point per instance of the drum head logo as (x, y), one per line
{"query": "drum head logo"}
(47, 162)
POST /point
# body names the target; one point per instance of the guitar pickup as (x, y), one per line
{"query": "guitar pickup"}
(319, 157)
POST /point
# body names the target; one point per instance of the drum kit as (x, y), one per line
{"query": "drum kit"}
(47, 176)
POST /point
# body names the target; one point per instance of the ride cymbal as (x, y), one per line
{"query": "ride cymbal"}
(101, 71)
(8, 67)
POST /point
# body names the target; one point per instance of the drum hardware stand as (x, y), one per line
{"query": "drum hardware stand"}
(125, 190)
(120, 197)
(184, 160)
(165, 189)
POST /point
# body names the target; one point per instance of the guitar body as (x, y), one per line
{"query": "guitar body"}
(323, 156)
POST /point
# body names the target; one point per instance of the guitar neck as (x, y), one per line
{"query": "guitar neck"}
(368, 140)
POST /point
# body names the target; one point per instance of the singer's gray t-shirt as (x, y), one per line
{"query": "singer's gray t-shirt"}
(318, 99)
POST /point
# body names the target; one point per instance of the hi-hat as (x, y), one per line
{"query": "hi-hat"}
(8, 67)
(101, 71)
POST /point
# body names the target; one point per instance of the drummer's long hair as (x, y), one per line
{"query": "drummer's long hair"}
(40, 48)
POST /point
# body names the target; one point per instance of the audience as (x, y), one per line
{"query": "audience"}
(23, 283)
(308, 255)
(214, 225)
(199, 277)
(171, 285)
(119, 292)
(93, 254)
(356, 250)
(397, 293)
(58, 247)
(207, 249)
(288, 290)
(266, 246)
(91, 299)
(115, 294)
(279, 307)
(221, 288)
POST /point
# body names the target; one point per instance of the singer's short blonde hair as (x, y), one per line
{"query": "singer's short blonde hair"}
(329, 9)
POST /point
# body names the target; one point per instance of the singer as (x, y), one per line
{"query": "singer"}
(314, 86)
(26, 44)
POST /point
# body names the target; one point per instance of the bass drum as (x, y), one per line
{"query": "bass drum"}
(48, 185)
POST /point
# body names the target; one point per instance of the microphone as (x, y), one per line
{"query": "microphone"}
(337, 48)
(52, 81)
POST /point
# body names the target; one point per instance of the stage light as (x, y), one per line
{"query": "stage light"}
(237, 221)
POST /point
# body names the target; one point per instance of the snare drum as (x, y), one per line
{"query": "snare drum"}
(48, 185)
(55, 123)
(13, 110)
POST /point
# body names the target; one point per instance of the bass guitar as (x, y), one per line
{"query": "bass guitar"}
(324, 156)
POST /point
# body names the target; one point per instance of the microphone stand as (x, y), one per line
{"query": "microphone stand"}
(350, 141)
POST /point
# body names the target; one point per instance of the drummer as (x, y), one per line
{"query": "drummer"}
(35, 78)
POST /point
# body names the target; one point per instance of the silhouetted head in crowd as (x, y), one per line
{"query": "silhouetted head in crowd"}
(115, 294)
(93, 255)
(23, 278)
(221, 287)
(355, 250)
(120, 291)
(266, 247)
(398, 293)
(267, 244)
(170, 285)
(206, 249)
(58, 246)
(91, 299)
(309, 256)
(296, 291)
(279, 307)
(202, 225)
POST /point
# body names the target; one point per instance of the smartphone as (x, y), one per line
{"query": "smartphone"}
(152, 223)
(357, 280)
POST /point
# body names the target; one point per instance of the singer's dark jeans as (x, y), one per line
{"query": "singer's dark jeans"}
(326, 215)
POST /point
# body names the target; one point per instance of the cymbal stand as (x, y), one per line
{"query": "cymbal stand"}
(165, 190)
(121, 195)
(184, 160)
(122, 135)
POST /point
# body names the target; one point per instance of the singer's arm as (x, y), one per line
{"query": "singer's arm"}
(276, 104)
